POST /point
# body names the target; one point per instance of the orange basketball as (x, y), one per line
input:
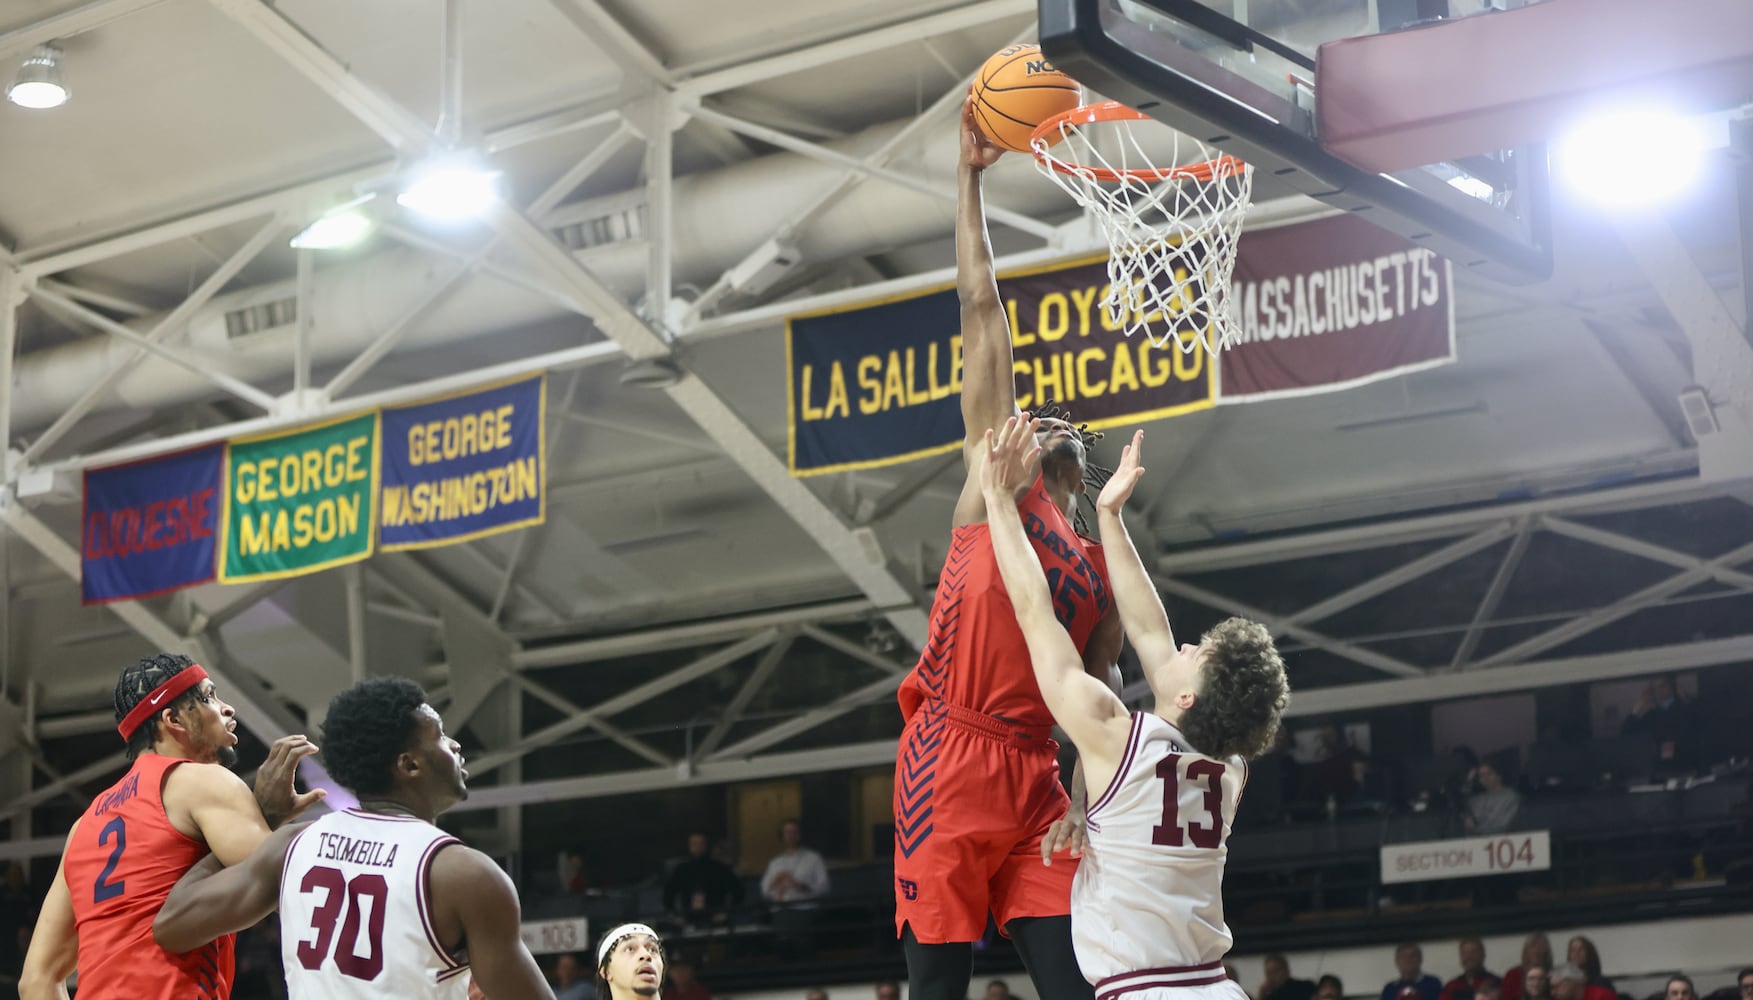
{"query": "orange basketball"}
(1017, 90)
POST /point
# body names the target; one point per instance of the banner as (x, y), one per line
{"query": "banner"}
(1467, 857)
(1335, 303)
(881, 384)
(301, 501)
(150, 527)
(463, 467)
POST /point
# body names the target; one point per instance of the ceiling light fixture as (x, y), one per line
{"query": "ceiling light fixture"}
(340, 227)
(38, 83)
(451, 189)
(1632, 156)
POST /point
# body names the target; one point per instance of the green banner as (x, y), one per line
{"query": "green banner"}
(301, 501)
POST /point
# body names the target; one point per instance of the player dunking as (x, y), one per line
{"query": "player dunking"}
(375, 902)
(978, 803)
(177, 802)
(1147, 906)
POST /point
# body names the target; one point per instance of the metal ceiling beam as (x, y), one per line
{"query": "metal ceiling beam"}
(1523, 677)
(589, 717)
(854, 755)
(852, 649)
(854, 44)
(1379, 534)
(113, 764)
(739, 703)
(568, 707)
(607, 32)
(1500, 584)
(1627, 605)
(1401, 575)
(563, 654)
(11, 295)
(69, 23)
(1279, 626)
(1646, 550)
(780, 732)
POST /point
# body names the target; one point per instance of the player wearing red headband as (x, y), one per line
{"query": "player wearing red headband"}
(177, 802)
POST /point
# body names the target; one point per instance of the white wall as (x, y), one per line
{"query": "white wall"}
(1637, 957)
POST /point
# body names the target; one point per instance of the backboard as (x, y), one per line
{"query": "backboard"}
(1241, 75)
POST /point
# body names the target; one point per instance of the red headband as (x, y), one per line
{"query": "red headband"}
(161, 696)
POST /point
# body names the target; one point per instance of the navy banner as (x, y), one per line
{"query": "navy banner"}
(463, 467)
(152, 526)
(880, 384)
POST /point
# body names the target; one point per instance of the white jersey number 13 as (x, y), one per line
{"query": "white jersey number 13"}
(1172, 832)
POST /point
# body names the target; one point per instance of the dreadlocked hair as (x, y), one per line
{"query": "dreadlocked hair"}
(139, 680)
(1094, 476)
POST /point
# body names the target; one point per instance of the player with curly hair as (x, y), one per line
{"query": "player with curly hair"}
(1147, 904)
(178, 801)
(376, 901)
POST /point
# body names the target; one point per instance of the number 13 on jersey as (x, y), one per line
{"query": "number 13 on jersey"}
(1192, 802)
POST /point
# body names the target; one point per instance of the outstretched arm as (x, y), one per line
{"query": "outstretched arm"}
(1091, 714)
(988, 383)
(1141, 608)
(54, 944)
(210, 900)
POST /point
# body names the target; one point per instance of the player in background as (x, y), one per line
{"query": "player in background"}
(630, 964)
(178, 801)
(1147, 906)
(375, 902)
(979, 808)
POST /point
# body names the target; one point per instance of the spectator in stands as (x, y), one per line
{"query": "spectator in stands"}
(702, 889)
(1536, 950)
(1338, 768)
(795, 874)
(1491, 809)
(1582, 953)
(816, 994)
(572, 873)
(1473, 973)
(1412, 984)
(1672, 723)
(1488, 991)
(888, 991)
(682, 984)
(998, 989)
(1571, 982)
(1537, 982)
(569, 984)
(1279, 985)
(1680, 988)
(1330, 987)
(1745, 982)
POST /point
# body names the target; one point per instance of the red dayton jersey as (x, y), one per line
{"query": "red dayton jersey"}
(975, 656)
(120, 867)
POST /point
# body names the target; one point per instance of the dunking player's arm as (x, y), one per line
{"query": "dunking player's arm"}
(474, 910)
(1085, 707)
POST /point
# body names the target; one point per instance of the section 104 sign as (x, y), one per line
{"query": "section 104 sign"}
(1467, 857)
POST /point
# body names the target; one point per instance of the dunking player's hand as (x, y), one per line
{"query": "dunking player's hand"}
(978, 152)
(1012, 454)
(276, 783)
(1125, 478)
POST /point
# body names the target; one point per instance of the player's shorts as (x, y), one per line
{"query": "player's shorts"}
(1205, 982)
(974, 796)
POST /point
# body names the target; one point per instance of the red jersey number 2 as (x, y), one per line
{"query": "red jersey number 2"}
(1171, 832)
(338, 894)
(115, 831)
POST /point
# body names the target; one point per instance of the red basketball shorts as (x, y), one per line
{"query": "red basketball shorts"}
(973, 798)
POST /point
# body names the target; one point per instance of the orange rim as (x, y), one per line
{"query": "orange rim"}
(1114, 111)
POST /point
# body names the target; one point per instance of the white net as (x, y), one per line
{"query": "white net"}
(1172, 230)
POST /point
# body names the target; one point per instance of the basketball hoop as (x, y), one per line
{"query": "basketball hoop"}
(1172, 230)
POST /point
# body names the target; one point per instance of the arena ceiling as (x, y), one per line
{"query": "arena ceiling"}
(1537, 512)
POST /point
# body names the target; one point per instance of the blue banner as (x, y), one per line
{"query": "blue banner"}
(882, 383)
(152, 526)
(463, 467)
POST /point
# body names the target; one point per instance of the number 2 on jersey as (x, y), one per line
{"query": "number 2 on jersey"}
(1171, 832)
(117, 831)
(339, 892)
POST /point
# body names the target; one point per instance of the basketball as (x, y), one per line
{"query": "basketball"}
(1018, 89)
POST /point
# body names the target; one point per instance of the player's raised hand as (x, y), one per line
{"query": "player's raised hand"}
(978, 152)
(1009, 463)
(1125, 478)
(1066, 834)
(277, 782)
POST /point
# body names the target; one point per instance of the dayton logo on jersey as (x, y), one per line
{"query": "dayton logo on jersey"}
(1067, 589)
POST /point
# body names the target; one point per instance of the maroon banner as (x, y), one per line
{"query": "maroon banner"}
(1330, 304)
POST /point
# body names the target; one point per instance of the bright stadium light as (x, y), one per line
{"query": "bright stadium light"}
(1632, 157)
(451, 190)
(340, 227)
(38, 84)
